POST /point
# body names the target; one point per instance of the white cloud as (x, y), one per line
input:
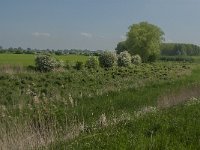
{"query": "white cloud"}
(39, 34)
(85, 34)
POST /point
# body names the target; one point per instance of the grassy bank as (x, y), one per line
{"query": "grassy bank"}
(174, 128)
(43, 109)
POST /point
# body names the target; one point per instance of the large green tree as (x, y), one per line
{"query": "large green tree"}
(144, 39)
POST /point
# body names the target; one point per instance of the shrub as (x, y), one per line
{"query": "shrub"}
(46, 63)
(78, 65)
(136, 59)
(92, 62)
(107, 59)
(124, 59)
(31, 68)
(68, 64)
(152, 57)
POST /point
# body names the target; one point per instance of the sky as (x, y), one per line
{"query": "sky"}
(93, 24)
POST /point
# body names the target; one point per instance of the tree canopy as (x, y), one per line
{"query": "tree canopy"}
(143, 39)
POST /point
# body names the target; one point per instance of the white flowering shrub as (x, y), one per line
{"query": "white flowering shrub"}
(107, 59)
(124, 59)
(136, 59)
(92, 62)
(46, 63)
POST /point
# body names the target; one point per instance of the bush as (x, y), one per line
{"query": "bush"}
(92, 62)
(46, 63)
(107, 59)
(152, 57)
(68, 64)
(136, 59)
(78, 65)
(124, 59)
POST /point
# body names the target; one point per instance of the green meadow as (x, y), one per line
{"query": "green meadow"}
(71, 80)
(28, 59)
(145, 106)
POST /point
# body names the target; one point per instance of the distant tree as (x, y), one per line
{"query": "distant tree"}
(19, 48)
(172, 49)
(58, 52)
(121, 46)
(10, 48)
(144, 39)
(1, 50)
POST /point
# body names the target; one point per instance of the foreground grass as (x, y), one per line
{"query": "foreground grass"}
(174, 128)
(53, 108)
(132, 128)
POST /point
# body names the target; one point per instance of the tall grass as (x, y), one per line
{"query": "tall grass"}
(173, 128)
(39, 110)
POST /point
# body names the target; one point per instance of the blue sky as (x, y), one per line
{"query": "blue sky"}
(93, 24)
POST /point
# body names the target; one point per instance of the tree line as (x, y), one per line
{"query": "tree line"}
(20, 50)
(169, 49)
(147, 40)
(173, 49)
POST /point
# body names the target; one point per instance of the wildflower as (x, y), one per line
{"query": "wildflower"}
(103, 120)
(36, 99)
(71, 100)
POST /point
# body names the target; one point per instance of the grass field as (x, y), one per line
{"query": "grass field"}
(138, 107)
(28, 59)
(174, 128)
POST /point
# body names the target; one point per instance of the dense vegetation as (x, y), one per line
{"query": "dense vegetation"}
(143, 39)
(169, 49)
(174, 128)
(172, 49)
(146, 40)
(20, 50)
(51, 109)
(177, 58)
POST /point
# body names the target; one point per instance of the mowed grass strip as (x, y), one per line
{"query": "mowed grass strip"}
(28, 59)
